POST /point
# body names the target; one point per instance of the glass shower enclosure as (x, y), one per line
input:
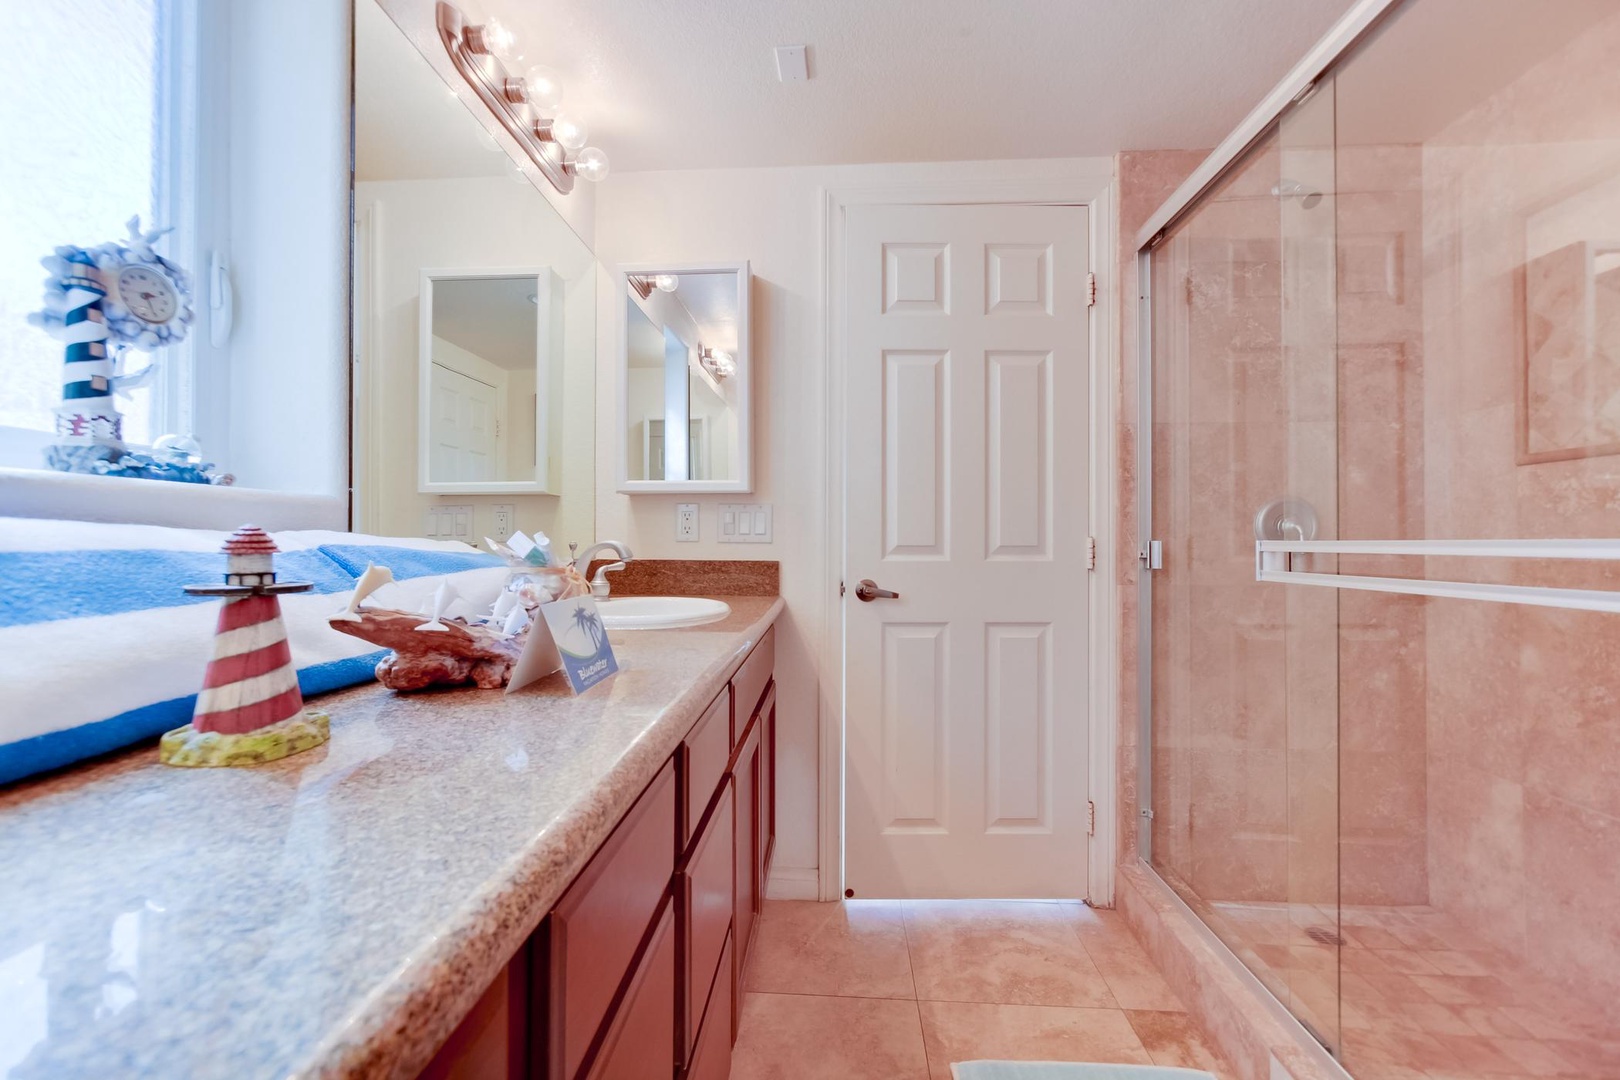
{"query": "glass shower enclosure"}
(1381, 609)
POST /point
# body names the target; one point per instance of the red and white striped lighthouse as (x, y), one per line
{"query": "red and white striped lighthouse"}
(250, 709)
(251, 682)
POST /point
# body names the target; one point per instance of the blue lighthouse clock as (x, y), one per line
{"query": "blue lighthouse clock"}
(102, 303)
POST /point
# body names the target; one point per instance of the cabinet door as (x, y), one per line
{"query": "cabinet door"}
(767, 788)
(591, 937)
(747, 775)
(491, 1043)
(707, 893)
(640, 1041)
(712, 1058)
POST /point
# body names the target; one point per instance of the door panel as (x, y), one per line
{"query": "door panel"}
(968, 389)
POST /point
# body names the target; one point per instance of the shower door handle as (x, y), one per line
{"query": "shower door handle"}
(868, 591)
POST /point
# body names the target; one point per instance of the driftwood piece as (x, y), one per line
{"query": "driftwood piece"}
(458, 654)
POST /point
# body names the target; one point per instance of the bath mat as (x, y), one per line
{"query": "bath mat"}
(1069, 1070)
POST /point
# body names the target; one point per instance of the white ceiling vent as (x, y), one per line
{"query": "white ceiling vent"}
(790, 63)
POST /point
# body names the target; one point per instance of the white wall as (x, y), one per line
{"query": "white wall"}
(470, 224)
(771, 217)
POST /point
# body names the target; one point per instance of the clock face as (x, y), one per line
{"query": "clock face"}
(148, 295)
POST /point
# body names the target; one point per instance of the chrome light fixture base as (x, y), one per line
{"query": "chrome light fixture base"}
(505, 96)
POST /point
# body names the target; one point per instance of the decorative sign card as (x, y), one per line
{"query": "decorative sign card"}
(568, 634)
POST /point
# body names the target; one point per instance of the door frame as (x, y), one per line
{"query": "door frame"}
(1088, 183)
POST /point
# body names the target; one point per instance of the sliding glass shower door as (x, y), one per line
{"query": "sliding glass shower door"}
(1244, 676)
(1383, 405)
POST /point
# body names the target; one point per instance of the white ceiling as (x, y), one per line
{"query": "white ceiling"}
(674, 84)
(408, 124)
(490, 317)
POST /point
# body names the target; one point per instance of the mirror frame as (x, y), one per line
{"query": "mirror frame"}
(546, 308)
(744, 482)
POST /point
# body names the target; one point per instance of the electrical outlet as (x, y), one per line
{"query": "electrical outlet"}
(745, 523)
(686, 522)
(503, 526)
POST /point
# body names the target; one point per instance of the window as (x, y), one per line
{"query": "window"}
(92, 117)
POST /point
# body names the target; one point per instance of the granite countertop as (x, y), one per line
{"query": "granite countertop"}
(335, 913)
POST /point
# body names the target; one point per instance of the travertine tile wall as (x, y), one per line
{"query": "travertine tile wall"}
(1523, 704)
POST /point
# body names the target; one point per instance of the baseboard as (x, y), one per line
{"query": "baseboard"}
(793, 883)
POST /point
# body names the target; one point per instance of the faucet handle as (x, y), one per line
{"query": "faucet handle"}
(599, 581)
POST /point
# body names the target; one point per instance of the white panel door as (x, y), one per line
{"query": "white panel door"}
(968, 408)
(464, 428)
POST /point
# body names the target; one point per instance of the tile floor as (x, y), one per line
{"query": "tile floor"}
(1412, 995)
(897, 990)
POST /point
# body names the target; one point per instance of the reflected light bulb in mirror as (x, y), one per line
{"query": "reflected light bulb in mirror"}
(568, 132)
(666, 282)
(724, 365)
(499, 41)
(545, 88)
(592, 164)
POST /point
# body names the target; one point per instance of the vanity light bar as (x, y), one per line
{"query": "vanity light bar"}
(506, 97)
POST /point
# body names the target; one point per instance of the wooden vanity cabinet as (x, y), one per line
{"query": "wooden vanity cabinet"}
(637, 972)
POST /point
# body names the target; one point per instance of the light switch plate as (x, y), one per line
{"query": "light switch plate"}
(502, 526)
(745, 523)
(686, 522)
(450, 521)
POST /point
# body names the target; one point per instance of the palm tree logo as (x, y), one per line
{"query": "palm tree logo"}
(589, 623)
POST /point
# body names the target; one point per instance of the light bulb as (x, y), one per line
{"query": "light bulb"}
(667, 282)
(724, 365)
(499, 41)
(545, 88)
(592, 164)
(568, 132)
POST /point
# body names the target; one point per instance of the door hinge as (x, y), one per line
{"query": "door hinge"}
(840, 588)
(1091, 553)
(1091, 290)
(1091, 818)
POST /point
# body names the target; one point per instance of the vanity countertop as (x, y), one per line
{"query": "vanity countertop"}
(335, 913)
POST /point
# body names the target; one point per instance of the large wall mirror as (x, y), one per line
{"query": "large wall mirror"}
(684, 379)
(474, 316)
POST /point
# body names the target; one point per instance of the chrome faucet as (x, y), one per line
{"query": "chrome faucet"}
(599, 582)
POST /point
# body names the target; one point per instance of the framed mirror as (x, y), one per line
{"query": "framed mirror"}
(491, 344)
(684, 377)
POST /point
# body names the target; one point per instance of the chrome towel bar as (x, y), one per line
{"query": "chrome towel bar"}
(1272, 563)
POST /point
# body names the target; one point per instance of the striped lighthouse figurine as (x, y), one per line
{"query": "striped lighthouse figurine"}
(89, 427)
(250, 710)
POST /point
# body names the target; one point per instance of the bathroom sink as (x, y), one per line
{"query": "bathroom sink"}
(660, 612)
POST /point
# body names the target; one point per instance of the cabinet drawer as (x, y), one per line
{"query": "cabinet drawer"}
(748, 685)
(593, 933)
(704, 755)
(712, 1058)
(640, 1042)
(705, 886)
